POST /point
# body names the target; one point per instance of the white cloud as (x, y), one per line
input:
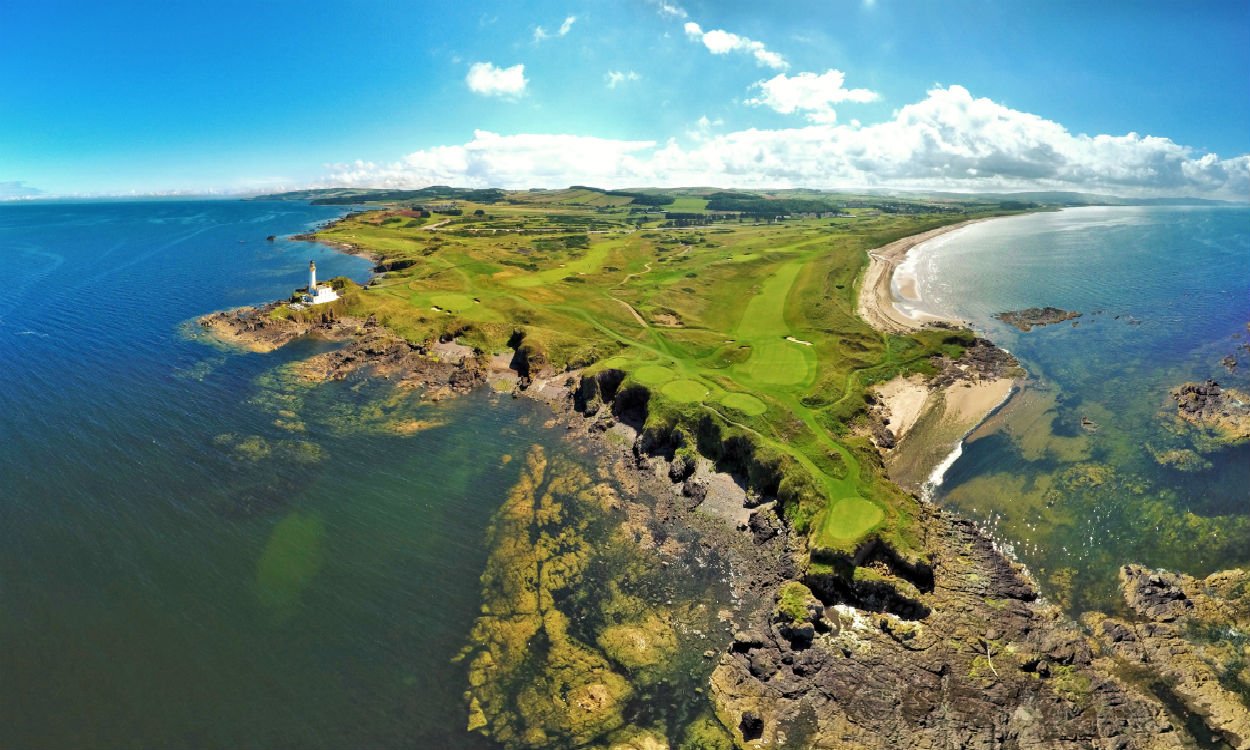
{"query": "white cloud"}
(617, 77)
(488, 80)
(490, 159)
(721, 42)
(540, 34)
(948, 140)
(671, 10)
(811, 94)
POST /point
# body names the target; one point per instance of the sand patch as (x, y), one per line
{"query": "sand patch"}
(904, 399)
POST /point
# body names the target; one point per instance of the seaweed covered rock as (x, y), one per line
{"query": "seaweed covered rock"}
(532, 683)
(1190, 635)
(1223, 411)
(1034, 317)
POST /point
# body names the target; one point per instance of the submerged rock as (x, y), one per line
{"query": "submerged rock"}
(1033, 317)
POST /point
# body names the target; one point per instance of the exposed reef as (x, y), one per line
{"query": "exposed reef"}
(368, 349)
(1035, 317)
(1225, 412)
(1193, 636)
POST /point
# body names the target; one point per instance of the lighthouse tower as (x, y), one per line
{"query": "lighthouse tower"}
(317, 296)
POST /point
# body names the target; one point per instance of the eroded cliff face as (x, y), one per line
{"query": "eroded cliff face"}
(1193, 637)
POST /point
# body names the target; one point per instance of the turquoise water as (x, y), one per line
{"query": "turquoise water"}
(1173, 288)
(196, 551)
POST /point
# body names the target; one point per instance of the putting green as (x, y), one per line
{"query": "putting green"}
(780, 362)
(653, 374)
(848, 519)
(744, 403)
(453, 302)
(688, 391)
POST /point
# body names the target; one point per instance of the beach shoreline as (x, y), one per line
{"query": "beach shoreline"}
(929, 423)
(877, 298)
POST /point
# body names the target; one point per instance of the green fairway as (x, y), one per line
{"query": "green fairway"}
(780, 362)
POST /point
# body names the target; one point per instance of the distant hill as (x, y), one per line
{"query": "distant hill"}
(804, 199)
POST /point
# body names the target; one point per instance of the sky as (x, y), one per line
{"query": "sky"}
(1130, 98)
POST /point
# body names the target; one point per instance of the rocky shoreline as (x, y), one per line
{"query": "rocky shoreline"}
(961, 653)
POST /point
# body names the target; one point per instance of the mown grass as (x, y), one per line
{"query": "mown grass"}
(746, 335)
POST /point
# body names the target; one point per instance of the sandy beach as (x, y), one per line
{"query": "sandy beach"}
(876, 292)
(928, 423)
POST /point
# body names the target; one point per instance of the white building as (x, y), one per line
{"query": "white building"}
(318, 294)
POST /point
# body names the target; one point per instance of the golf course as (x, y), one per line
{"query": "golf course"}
(738, 331)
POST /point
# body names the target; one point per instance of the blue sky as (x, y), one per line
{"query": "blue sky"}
(168, 96)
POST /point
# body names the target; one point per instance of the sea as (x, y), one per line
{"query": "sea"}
(1087, 468)
(197, 550)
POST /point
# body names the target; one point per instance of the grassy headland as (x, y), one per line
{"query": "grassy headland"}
(732, 334)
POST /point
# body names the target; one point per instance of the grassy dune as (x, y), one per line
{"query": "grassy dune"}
(743, 336)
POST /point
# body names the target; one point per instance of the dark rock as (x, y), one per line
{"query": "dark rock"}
(1032, 317)
(764, 525)
(751, 726)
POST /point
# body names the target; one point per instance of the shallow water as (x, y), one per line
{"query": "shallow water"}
(196, 551)
(1165, 294)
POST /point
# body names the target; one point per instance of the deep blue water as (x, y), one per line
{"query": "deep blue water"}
(1165, 294)
(196, 551)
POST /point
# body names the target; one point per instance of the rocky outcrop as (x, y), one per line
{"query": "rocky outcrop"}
(377, 352)
(981, 360)
(257, 329)
(989, 666)
(1193, 635)
(445, 368)
(1033, 317)
(1224, 411)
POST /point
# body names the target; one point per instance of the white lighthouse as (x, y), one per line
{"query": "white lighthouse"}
(318, 295)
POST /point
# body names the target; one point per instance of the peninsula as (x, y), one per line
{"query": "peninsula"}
(734, 355)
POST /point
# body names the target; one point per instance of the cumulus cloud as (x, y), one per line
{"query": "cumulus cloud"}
(617, 77)
(490, 159)
(488, 80)
(948, 140)
(811, 94)
(721, 42)
(541, 34)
